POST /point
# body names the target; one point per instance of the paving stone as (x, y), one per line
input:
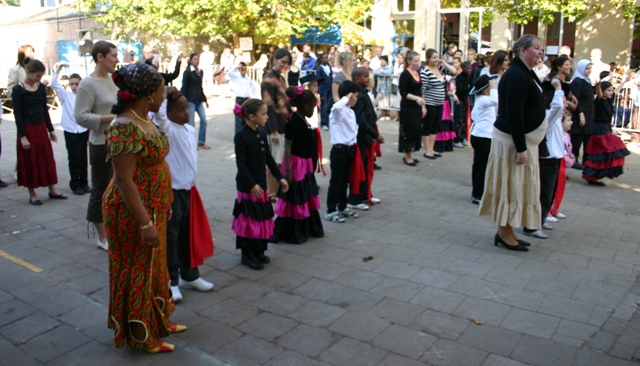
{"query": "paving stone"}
(399, 289)
(581, 275)
(587, 357)
(249, 350)
(397, 269)
(405, 341)
(5, 297)
(528, 322)
(495, 360)
(431, 260)
(284, 280)
(325, 270)
(318, 290)
(245, 291)
(483, 310)
(26, 328)
(85, 315)
(570, 341)
(440, 324)
(490, 338)
(90, 353)
(552, 285)
(630, 337)
(537, 267)
(475, 287)
(210, 336)
(359, 326)
(14, 310)
(600, 314)
(317, 314)
(267, 326)
(54, 343)
(566, 308)
(359, 279)
(508, 277)
(623, 351)
(597, 295)
(464, 252)
(446, 352)
(11, 355)
(307, 340)
(518, 297)
(617, 268)
(543, 352)
(396, 311)
(576, 330)
(395, 360)
(290, 358)
(469, 268)
(396, 253)
(230, 312)
(355, 300)
(437, 299)
(342, 353)
(281, 303)
(435, 277)
(504, 261)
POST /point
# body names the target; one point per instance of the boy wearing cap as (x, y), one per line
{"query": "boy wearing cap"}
(483, 116)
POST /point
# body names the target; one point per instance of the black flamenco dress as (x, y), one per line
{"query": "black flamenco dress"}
(297, 209)
(604, 155)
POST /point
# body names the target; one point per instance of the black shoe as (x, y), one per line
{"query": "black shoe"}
(376, 167)
(522, 242)
(432, 157)
(79, 191)
(519, 247)
(57, 197)
(596, 183)
(437, 155)
(577, 165)
(262, 258)
(475, 200)
(251, 262)
(3, 183)
(35, 202)
(413, 163)
(87, 189)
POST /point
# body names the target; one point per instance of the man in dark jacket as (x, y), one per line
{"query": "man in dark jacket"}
(325, 72)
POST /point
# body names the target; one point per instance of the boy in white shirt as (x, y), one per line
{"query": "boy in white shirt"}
(344, 133)
(483, 116)
(76, 137)
(243, 88)
(182, 235)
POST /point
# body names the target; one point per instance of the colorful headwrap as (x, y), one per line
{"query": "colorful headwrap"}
(134, 81)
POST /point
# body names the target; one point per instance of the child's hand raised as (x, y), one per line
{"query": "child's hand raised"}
(256, 191)
(171, 91)
(285, 185)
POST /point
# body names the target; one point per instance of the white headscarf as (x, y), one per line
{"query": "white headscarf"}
(582, 65)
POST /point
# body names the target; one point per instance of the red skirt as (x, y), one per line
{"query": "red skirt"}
(36, 166)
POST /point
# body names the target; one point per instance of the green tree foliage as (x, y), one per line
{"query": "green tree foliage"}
(210, 18)
(524, 11)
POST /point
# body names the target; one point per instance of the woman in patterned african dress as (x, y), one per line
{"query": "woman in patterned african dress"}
(136, 207)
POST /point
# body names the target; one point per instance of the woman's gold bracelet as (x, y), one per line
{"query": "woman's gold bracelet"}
(147, 226)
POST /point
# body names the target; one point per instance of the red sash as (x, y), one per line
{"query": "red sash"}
(468, 120)
(201, 241)
(371, 152)
(356, 176)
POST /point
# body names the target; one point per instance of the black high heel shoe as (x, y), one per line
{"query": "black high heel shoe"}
(519, 247)
(522, 242)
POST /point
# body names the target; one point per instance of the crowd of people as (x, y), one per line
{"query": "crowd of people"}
(142, 146)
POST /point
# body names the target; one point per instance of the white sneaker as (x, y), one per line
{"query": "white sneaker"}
(561, 216)
(325, 128)
(175, 294)
(458, 144)
(465, 143)
(198, 285)
(334, 217)
(104, 246)
(536, 234)
(361, 207)
(375, 200)
(547, 226)
(348, 213)
(551, 219)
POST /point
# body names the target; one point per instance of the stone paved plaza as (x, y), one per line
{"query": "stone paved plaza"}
(571, 300)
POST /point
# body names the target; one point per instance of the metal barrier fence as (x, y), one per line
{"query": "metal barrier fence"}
(389, 97)
(625, 112)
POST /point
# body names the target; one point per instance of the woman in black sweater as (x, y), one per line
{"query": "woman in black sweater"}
(512, 183)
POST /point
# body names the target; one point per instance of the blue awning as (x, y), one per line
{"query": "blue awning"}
(332, 35)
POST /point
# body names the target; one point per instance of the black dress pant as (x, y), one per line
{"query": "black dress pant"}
(178, 236)
(341, 159)
(358, 198)
(481, 150)
(76, 144)
(549, 169)
(101, 174)
(578, 140)
(325, 108)
(460, 121)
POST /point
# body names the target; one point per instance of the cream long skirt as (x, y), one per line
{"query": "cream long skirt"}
(511, 191)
